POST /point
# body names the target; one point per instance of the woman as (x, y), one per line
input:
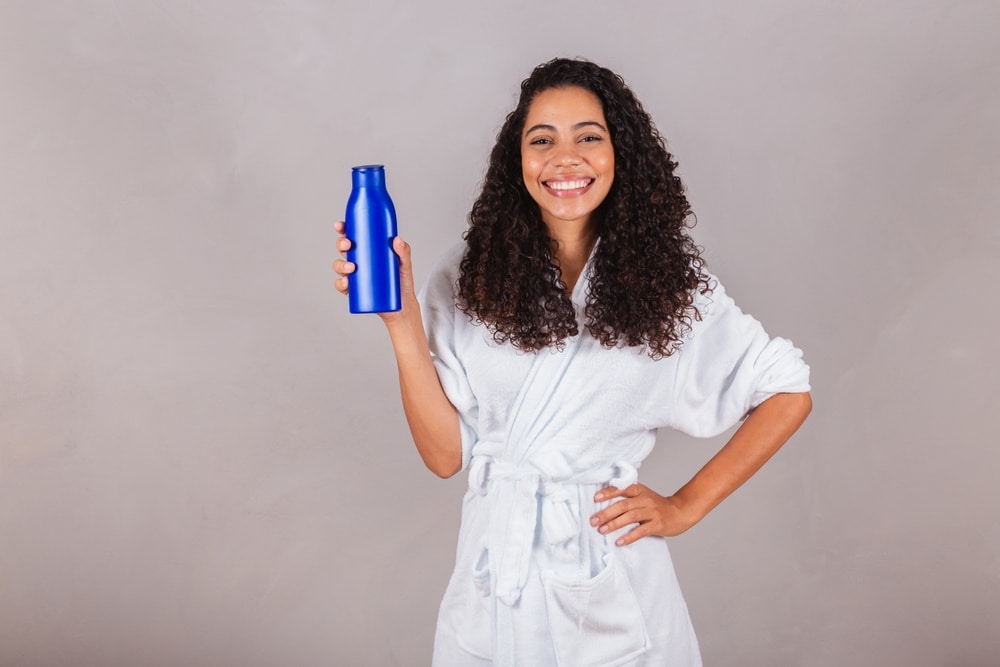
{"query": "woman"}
(543, 355)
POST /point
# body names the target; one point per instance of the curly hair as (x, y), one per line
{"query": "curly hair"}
(646, 268)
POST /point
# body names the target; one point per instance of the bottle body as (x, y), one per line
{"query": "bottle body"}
(370, 224)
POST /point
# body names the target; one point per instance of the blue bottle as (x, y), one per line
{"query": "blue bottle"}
(370, 224)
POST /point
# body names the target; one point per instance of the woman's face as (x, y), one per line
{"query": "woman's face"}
(567, 158)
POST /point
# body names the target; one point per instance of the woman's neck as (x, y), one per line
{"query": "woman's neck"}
(571, 251)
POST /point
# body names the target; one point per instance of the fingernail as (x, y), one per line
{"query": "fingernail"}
(620, 541)
(603, 529)
(593, 520)
(599, 496)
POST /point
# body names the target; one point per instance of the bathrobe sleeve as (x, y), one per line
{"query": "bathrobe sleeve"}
(727, 366)
(442, 323)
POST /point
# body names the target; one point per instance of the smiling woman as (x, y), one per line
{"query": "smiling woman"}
(526, 243)
(543, 354)
(567, 160)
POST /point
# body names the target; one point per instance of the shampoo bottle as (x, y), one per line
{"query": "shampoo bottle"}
(370, 224)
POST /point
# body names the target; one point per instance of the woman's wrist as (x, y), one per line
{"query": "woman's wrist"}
(406, 331)
(687, 511)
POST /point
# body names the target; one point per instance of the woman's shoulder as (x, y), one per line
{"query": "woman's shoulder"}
(443, 277)
(711, 307)
(707, 302)
(446, 267)
(450, 259)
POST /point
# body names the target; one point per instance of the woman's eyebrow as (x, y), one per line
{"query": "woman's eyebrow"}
(552, 128)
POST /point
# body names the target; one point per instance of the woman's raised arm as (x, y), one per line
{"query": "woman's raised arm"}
(432, 419)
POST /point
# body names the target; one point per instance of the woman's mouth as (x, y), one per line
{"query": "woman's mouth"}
(568, 188)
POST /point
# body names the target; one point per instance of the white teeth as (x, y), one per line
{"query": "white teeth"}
(567, 185)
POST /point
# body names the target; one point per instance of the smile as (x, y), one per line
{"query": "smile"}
(564, 189)
(569, 185)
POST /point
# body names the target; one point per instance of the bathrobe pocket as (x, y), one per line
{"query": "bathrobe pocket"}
(475, 628)
(595, 622)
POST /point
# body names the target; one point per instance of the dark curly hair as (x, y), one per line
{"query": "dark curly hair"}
(646, 268)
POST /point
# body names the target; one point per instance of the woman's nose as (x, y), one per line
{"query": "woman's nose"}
(567, 156)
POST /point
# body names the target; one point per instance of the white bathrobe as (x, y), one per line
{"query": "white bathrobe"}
(534, 583)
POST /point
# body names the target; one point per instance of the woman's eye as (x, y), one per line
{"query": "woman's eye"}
(591, 137)
(539, 141)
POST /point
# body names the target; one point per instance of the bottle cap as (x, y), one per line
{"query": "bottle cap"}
(368, 175)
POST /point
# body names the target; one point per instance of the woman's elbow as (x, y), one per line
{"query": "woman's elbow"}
(445, 473)
(806, 404)
(798, 405)
(791, 408)
(444, 467)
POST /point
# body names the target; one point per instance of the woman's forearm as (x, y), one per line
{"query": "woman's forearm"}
(762, 434)
(432, 418)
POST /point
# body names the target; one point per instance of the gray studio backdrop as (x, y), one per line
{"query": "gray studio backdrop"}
(202, 457)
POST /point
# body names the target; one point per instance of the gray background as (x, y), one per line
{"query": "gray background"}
(202, 456)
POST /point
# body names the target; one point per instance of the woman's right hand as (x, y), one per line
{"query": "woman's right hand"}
(342, 266)
(407, 293)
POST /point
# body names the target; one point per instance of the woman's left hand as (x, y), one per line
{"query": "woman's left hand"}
(762, 433)
(655, 514)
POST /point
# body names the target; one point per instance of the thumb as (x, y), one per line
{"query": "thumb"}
(402, 250)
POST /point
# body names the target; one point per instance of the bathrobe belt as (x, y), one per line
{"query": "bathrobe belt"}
(516, 492)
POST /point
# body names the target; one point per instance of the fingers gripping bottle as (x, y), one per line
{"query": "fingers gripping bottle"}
(370, 224)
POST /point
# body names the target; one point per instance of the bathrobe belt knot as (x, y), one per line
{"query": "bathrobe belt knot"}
(519, 495)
